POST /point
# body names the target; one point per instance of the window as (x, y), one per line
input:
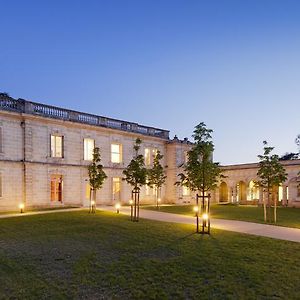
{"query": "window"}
(116, 155)
(87, 191)
(185, 191)
(56, 188)
(1, 147)
(147, 157)
(57, 146)
(1, 185)
(116, 189)
(88, 149)
(185, 157)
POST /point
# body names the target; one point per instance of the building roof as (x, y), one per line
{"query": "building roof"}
(48, 111)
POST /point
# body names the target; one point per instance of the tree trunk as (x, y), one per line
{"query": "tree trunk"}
(265, 208)
(156, 196)
(275, 208)
(269, 207)
(95, 194)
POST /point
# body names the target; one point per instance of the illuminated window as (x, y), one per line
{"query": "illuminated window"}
(88, 191)
(88, 149)
(185, 157)
(116, 153)
(57, 146)
(186, 191)
(0, 185)
(147, 157)
(56, 188)
(116, 188)
(253, 191)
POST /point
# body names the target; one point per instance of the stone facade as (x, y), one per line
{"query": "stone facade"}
(238, 186)
(30, 174)
(27, 167)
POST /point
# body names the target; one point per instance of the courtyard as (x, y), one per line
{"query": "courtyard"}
(78, 255)
(287, 216)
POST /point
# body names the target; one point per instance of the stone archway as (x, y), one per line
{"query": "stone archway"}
(241, 192)
(223, 192)
(253, 192)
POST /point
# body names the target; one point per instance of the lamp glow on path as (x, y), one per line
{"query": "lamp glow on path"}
(21, 207)
(205, 216)
(118, 206)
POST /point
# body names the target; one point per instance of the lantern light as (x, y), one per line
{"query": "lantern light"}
(21, 207)
(118, 206)
(205, 216)
(196, 209)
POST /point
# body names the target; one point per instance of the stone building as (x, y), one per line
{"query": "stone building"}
(239, 187)
(45, 151)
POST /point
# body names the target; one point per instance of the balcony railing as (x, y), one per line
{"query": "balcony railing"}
(48, 111)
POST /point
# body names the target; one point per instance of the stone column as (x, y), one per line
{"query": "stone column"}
(234, 194)
(284, 195)
(217, 193)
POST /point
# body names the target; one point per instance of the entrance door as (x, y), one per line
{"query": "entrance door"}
(56, 188)
(223, 192)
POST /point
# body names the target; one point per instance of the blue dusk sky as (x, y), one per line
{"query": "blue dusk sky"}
(233, 64)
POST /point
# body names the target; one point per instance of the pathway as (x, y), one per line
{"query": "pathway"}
(276, 232)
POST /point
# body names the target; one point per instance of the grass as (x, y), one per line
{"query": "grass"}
(36, 209)
(286, 216)
(105, 256)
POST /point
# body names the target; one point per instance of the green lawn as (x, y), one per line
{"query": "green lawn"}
(286, 216)
(77, 255)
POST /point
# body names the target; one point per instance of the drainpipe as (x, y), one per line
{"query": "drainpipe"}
(24, 161)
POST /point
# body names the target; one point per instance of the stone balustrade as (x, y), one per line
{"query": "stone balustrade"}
(48, 111)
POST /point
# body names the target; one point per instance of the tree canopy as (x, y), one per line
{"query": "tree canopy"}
(156, 175)
(200, 173)
(96, 172)
(271, 172)
(136, 173)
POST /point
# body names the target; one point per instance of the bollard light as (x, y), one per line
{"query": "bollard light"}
(131, 202)
(118, 206)
(196, 209)
(205, 216)
(21, 206)
(92, 202)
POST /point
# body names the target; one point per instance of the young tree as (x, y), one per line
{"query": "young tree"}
(271, 174)
(96, 177)
(135, 175)
(156, 176)
(297, 141)
(200, 173)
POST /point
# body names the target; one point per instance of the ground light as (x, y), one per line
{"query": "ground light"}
(158, 202)
(21, 207)
(196, 210)
(118, 206)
